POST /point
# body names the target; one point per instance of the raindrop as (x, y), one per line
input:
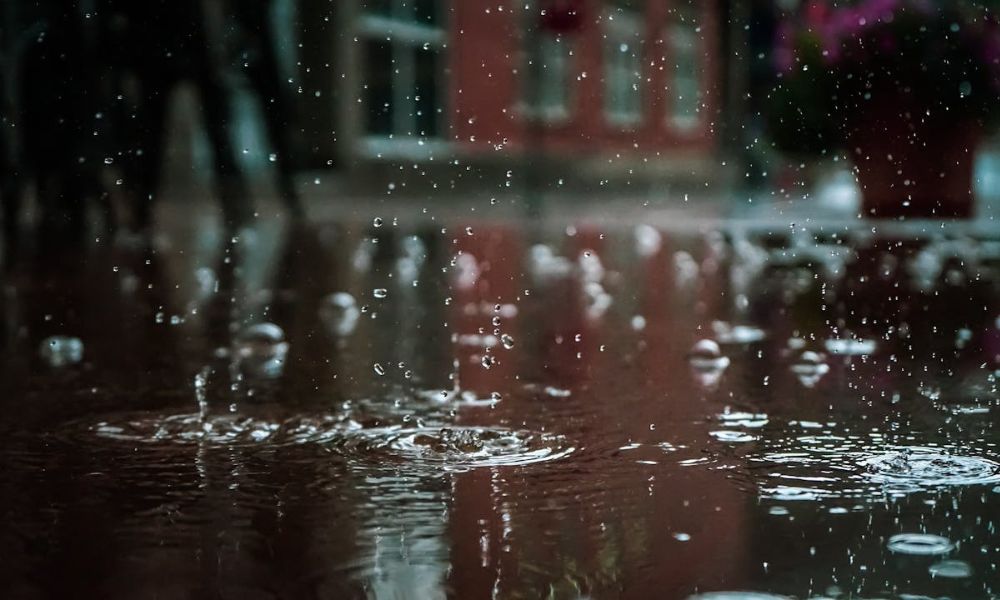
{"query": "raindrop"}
(507, 341)
(61, 350)
(377, 221)
(488, 361)
(379, 369)
(380, 293)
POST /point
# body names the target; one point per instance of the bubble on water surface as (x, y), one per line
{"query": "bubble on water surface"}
(950, 569)
(921, 544)
(61, 350)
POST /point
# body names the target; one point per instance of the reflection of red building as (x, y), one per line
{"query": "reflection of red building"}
(570, 80)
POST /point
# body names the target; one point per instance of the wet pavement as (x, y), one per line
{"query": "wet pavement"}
(473, 407)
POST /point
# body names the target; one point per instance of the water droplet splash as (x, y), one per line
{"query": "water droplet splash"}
(340, 313)
(261, 350)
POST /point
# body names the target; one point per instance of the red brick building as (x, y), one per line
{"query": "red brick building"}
(488, 82)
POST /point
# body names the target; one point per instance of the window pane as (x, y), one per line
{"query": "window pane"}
(426, 98)
(379, 69)
(377, 7)
(426, 12)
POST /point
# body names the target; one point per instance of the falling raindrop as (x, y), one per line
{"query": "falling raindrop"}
(507, 340)
(379, 369)
(380, 293)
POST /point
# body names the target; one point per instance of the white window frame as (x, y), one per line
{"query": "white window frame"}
(552, 100)
(403, 35)
(623, 66)
(685, 44)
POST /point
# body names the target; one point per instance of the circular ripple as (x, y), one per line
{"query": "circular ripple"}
(737, 596)
(229, 430)
(454, 447)
(921, 468)
(921, 544)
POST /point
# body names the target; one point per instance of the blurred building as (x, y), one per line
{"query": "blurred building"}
(449, 94)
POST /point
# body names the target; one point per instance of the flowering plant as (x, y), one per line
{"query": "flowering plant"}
(835, 60)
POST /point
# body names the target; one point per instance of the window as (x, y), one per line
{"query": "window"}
(546, 81)
(684, 86)
(402, 74)
(623, 63)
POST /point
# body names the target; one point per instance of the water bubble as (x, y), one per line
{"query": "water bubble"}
(380, 293)
(379, 369)
(922, 544)
(262, 349)
(377, 221)
(682, 537)
(507, 340)
(340, 313)
(488, 361)
(61, 350)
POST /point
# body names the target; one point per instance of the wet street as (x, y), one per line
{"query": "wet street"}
(490, 407)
